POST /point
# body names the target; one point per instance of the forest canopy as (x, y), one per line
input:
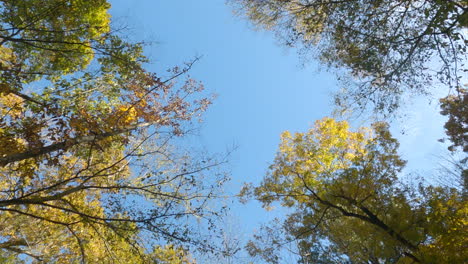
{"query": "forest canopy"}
(98, 161)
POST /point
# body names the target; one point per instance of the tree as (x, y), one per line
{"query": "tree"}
(456, 127)
(54, 37)
(388, 47)
(230, 242)
(89, 173)
(349, 205)
(455, 107)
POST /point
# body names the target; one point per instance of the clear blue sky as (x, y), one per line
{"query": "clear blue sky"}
(262, 88)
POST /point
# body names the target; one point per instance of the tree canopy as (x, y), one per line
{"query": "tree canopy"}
(349, 206)
(89, 173)
(388, 47)
(92, 169)
(51, 38)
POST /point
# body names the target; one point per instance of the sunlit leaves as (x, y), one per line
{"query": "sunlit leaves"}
(54, 37)
(349, 204)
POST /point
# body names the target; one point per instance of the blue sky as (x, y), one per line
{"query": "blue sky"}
(262, 88)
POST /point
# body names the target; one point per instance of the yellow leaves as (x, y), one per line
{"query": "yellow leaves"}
(103, 118)
(341, 182)
(445, 224)
(122, 116)
(11, 104)
(10, 143)
(127, 114)
(320, 159)
(7, 58)
(140, 96)
(327, 147)
(170, 254)
(285, 135)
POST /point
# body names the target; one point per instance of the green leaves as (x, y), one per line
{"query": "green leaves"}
(456, 127)
(54, 37)
(387, 49)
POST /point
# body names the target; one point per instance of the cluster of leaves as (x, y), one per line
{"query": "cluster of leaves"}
(456, 108)
(388, 47)
(349, 206)
(54, 37)
(88, 173)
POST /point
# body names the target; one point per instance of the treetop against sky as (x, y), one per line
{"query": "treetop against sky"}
(103, 158)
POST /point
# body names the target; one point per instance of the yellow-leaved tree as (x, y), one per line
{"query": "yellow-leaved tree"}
(349, 206)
